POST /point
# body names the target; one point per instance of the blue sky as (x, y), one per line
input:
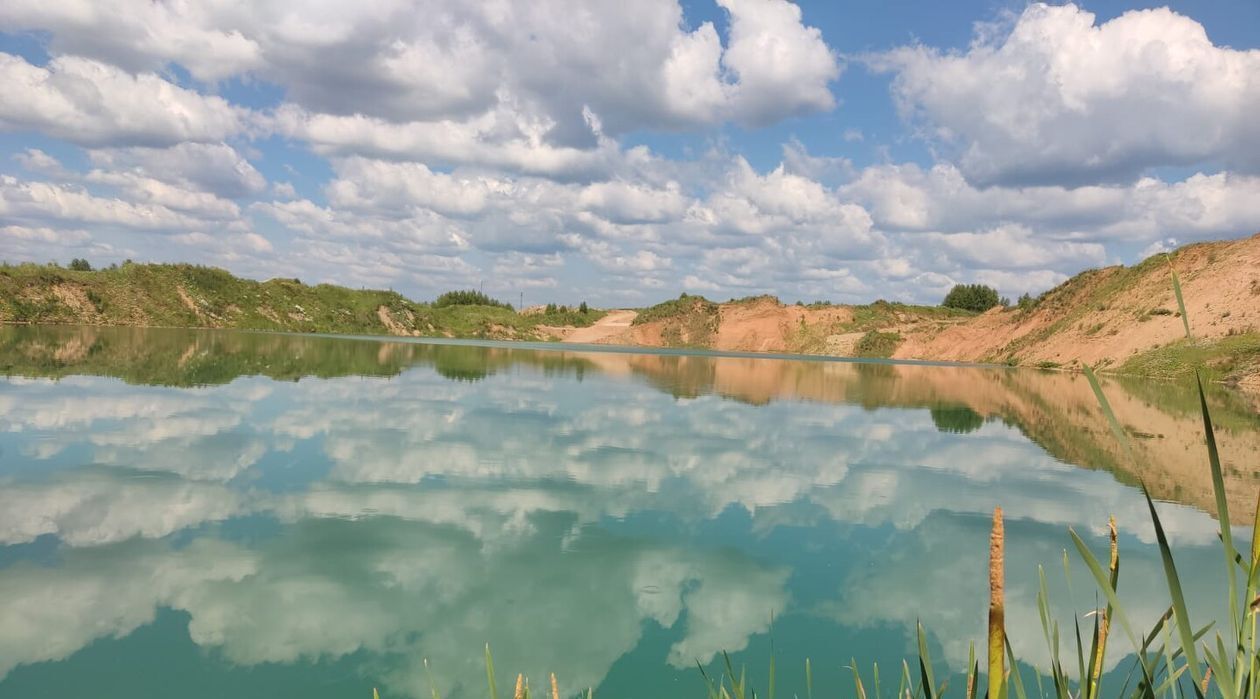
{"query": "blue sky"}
(624, 152)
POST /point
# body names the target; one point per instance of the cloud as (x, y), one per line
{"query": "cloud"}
(632, 66)
(211, 167)
(92, 103)
(907, 197)
(1059, 99)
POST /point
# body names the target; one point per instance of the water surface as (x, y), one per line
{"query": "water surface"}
(207, 514)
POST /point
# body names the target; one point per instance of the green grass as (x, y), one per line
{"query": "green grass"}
(564, 315)
(181, 295)
(877, 343)
(674, 308)
(687, 321)
(1220, 360)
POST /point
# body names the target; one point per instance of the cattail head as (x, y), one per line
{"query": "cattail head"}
(997, 606)
(555, 687)
(520, 687)
(1115, 549)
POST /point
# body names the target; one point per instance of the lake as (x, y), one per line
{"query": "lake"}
(210, 513)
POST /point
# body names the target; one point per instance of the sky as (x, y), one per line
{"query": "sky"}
(624, 152)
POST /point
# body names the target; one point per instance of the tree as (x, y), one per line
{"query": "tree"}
(1026, 302)
(971, 297)
(79, 264)
(582, 308)
(956, 419)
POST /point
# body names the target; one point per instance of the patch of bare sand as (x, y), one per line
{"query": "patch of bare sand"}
(765, 325)
(610, 329)
(1220, 284)
(391, 325)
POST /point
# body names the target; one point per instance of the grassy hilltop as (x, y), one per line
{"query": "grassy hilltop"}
(182, 295)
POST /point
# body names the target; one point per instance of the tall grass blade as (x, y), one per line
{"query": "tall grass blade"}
(770, 692)
(737, 686)
(1121, 436)
(1104, 583)
(1015, 676)
(708, 682)
(809, 681)
(494, 689)
(1181, 302)
(432, 686)
(925, 665)
(973, 669)
(1180, 614)
(858, 689)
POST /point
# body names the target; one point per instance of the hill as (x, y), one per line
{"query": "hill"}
(1122, 319)
(181, 295)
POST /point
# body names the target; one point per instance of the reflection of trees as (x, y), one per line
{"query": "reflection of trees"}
(1057, 411)
(956, 419)
(459, 364)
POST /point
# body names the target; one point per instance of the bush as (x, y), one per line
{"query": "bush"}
(79, 264)
(1026, 302)
(877, 344)
(582, 308)
(467, 298)
(971, 297)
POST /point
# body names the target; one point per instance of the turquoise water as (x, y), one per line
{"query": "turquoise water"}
(211, 514)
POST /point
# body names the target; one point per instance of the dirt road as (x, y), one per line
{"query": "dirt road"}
(611, 325)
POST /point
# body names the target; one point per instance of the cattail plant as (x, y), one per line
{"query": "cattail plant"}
(997, 607)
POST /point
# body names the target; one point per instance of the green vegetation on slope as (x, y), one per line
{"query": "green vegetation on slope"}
(1222, 359)
(580, 317)
(687, 321)
(811, 338)
(877, 343)
(181, 295)
(971, 297)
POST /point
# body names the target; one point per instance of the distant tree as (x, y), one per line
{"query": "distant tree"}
(1025, 302)
(956, 419)
(971, 297)
(467, 298)
(551, 308)
(582, 308)
(1005, 302)
(79, 264)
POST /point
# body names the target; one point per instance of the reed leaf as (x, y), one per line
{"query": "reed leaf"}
(973, 669)
(494, 689)
(809, 681)
(1181, 303)
(925, 665)
(1018, 680)
(1103, 582)
(858, 689)
(1121, 436)
(432, 686)
(1180, 614)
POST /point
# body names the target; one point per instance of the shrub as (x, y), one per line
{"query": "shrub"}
(467, 298)
(877, 344)
(79, 264)
(1026, 302)
(582, 308)
(971, 297)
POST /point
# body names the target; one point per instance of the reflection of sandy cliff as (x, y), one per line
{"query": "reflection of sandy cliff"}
(1056, 410)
